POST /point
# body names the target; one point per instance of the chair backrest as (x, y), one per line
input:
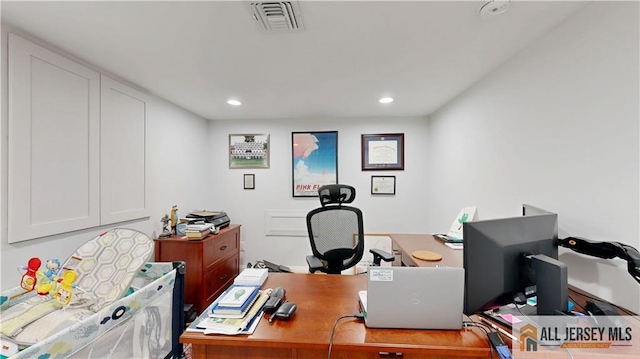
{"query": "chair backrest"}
(336, 194)
(335, 230)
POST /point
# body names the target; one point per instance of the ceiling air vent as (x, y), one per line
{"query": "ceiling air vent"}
(277, 16)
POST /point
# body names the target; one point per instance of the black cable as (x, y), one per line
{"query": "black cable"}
(477, 323)
(482, 327)
(515, 302)
(358, 316)
(472, 323)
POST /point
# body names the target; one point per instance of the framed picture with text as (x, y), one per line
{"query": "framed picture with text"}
(314, 161)
(383, 152)
(383, 185)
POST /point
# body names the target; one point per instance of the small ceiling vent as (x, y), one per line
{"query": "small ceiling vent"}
(277, 16)
(494, 8)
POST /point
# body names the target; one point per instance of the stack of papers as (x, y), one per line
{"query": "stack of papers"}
(210, 323)
(252, 276)
(198, 227)
(448, 239)
(362, 295)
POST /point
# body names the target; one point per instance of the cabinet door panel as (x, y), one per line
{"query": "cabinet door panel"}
(53, 143)
(122, 141)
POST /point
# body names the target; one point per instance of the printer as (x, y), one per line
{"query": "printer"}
(218, 218)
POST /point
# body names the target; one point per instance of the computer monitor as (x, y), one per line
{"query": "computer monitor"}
(502, 257)
(529, 210)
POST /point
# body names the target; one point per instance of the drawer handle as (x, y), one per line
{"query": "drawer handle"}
(224, 276)
(390, 355)
(223, 248)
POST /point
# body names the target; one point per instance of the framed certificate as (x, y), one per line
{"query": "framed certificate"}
(249, 181)
(383, 152)
(383, 184)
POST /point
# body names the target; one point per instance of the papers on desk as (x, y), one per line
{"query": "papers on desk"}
(210, 324)
(199, 227)
(249, 329)
(455, 245)
(252, 276)
(363, 300)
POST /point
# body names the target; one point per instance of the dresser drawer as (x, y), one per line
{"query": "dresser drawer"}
(220, 278)
(219, 247)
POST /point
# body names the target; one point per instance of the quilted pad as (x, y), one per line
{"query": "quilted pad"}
(107, 264)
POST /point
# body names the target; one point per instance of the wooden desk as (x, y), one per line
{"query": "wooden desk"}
(321, 299)
(405, 244)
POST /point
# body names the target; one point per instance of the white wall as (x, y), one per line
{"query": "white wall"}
(555, 127)
(404, 212)
(176, 174)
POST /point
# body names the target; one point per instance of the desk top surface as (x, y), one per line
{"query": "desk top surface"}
(321, 299)
(410, 243)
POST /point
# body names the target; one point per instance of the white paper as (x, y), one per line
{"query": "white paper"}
(252, 276)
(383, 152)
(381, 275)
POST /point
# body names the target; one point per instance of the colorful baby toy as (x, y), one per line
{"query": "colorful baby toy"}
(29, 279)
(49, 277)
(63, 295)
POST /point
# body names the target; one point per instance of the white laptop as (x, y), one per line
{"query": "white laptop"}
(414, 297)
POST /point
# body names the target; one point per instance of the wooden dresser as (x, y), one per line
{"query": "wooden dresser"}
(212, 263)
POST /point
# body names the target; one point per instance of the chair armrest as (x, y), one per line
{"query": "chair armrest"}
(314, 263)
(379, 254)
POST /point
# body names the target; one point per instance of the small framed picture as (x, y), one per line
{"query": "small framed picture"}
(249, 181)
(383, 185)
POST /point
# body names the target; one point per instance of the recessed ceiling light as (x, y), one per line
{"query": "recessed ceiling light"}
(234, 102)
(386, 100)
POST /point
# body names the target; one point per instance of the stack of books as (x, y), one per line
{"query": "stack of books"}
(235, 302)
(236, 311)
(198, 231)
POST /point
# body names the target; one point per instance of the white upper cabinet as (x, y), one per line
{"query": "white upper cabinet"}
(54, 158)
(77, 143)
(122, 170)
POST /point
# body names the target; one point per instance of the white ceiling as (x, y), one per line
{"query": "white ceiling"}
(199, 54)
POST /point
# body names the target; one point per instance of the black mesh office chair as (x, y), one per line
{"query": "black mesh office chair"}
(336, 232)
